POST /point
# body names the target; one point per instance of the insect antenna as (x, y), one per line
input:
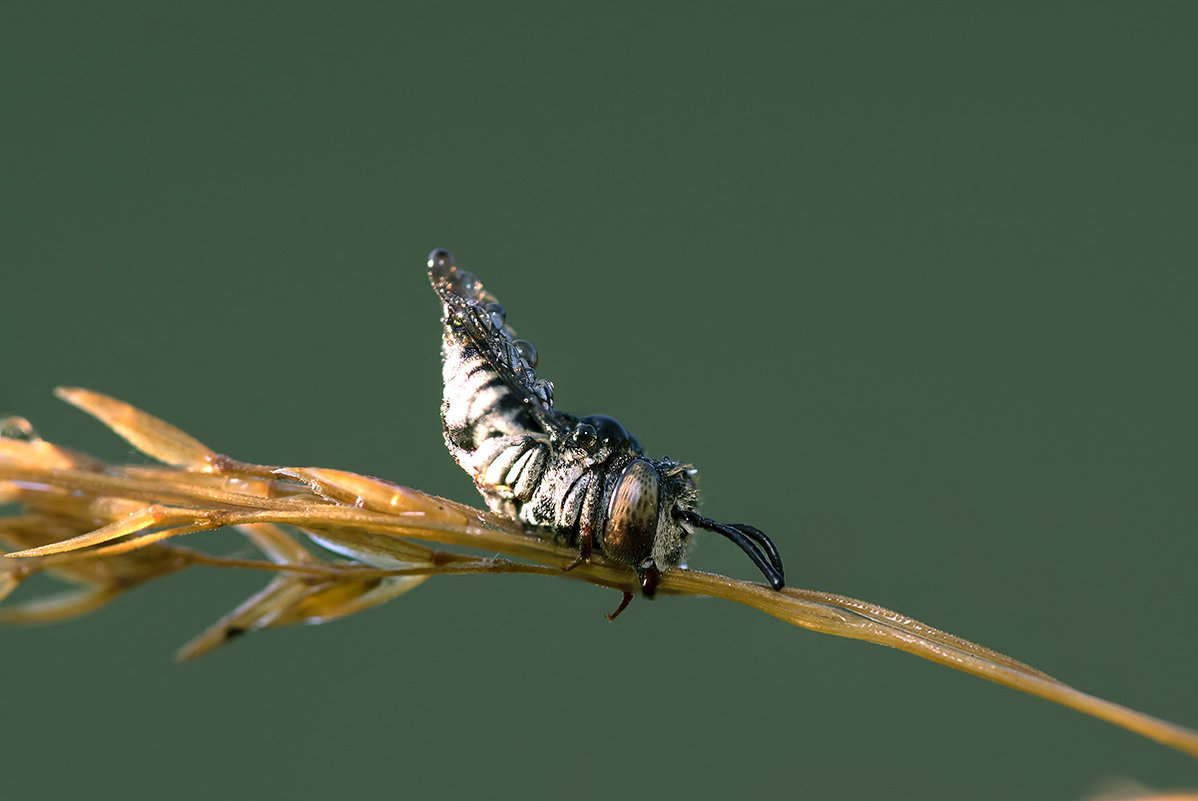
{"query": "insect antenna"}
(752, 541)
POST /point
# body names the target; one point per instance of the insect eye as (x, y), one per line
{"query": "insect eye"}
(631, 524)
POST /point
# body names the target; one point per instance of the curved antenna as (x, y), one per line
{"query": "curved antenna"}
(758, 536)
(752, 541)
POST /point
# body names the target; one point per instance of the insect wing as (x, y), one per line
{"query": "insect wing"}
(473, 316)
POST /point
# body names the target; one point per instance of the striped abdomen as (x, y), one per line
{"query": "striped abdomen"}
(488, 418)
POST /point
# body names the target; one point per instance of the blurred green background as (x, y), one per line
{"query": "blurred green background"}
(913, 284)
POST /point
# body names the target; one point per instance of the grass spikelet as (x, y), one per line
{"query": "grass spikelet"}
(338, 542)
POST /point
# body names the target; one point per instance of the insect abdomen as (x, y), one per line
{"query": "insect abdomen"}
(478, 403)
(489, 426)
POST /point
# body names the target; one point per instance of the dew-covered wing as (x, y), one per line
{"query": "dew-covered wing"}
(474, 317)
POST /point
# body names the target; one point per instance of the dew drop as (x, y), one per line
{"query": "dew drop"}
(476, 321)
(17, 428)
(584, 436)
(544, 390)
(498, 315)
(440, 257)
(527, 351)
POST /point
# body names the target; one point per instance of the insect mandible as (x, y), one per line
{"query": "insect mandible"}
(585, 480)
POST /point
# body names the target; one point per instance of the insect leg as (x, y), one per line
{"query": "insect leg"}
(570, 510)
(590, 520)
(627, 599)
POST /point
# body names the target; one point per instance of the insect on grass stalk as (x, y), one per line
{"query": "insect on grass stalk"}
(387, 539)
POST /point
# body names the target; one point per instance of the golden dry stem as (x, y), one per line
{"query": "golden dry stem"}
(105, 528)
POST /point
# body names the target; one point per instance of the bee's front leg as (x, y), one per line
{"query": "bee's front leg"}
(590, 520)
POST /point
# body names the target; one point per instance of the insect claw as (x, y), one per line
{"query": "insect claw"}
(582, 558)
(586, 541)
(627, 599)
(650, 577)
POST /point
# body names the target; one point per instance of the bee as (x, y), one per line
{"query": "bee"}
(584, 480)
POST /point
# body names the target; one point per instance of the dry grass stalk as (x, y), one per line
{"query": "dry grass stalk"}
(105, 528)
